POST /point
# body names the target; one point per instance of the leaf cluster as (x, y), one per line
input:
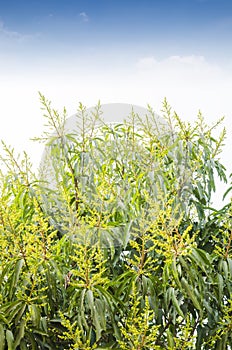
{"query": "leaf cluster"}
(115, 244)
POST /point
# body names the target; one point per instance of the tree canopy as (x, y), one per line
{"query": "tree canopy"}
(115, 244)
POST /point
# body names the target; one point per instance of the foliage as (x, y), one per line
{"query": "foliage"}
(115, 244)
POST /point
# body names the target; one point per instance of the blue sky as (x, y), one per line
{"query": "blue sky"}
(132, 51)
(160, 26)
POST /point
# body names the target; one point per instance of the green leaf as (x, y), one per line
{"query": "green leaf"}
(175, 274)
(15, 278)
(35, 314)
(10, 340)
(223, 267)
(171, 343)
(2, 337)
(3, 318)
(220, 287)
(20, 334)
(191, 295)
(202, 259)
(176, 303)
(90, 300)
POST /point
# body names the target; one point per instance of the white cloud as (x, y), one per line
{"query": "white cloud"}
(84, 17)
(176, 64)
(181, 74)
(10, 34)
(192, 59)
(146, 62)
